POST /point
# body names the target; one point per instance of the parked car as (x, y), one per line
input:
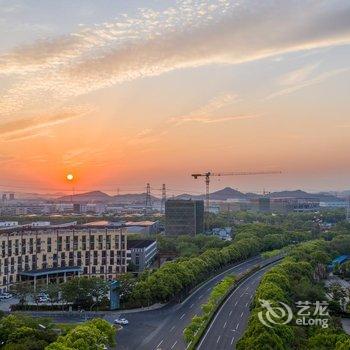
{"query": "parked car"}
(121, 321)
(5, 296)
(43, 300)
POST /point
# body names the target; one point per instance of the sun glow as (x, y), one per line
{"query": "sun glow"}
(70, 177)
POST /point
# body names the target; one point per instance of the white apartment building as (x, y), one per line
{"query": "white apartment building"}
(42, 254)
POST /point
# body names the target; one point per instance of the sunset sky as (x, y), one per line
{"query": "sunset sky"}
(121, 93)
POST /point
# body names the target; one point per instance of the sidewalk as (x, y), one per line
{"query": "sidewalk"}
(57, 313)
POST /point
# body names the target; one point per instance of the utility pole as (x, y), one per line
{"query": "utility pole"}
(162, 209)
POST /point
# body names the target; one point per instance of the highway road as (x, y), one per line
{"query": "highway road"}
(162, 329)
(231, 320)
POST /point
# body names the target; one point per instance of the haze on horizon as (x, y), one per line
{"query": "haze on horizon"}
(129, 92)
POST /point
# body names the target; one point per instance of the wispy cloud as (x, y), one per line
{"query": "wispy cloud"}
(212, 120)
(188, 34)
(209, 113)
(297, 76)
(16, 128)
(304, 80)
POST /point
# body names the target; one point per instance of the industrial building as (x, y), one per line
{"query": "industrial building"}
(41, 254)
(184, 217)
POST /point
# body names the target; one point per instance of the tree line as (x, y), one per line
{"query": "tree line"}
(83, 292)
(19, 332)
(299, 278)
(176, 278)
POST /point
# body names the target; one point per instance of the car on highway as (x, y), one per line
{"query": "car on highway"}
(121, 320)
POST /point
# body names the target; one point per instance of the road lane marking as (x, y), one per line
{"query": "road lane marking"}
(242, 314)
(233, 339)
(229, 298)
(191, 306)
(159, 344)
(174, 345)
(237, 325)
(218, 339)
(209, 289)
(249, 261)
(182, 316)
(200, 297)
(230, 313)
(172, 328)
(236, 303)
(225, 324)
(246, 303)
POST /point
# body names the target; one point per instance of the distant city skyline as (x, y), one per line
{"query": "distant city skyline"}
(119, 94)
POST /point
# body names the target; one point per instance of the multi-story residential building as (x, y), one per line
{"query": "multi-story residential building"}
(184, 217)
(41, 254)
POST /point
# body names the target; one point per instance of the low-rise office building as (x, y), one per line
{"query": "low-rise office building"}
(41, 254)
(142, 252)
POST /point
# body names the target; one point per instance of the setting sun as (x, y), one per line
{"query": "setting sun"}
(70, 177)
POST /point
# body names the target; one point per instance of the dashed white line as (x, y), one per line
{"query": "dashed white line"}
(182, 316)
(242, 314)
(237, 325)
(172, 328)
(233, 339)
(191, 306)
(246, 304)
(236, 303)
(225, 324)
(230, 313)
(218, 339)
(159, 344)
(200, 297)
(174, 345)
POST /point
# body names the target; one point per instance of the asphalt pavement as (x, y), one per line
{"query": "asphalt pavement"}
(231, 320)
(162, 329)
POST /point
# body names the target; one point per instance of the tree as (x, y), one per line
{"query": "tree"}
(53, 291)
(23, 290)
(22, 332)
(92, 335)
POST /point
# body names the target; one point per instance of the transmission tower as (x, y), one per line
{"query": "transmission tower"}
(148, 204)
(162, 209)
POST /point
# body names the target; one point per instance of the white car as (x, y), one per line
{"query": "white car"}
(43, 300)
(121, 321)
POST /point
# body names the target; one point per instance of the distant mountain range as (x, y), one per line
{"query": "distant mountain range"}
(223, 194)
(230, 193)
(101, 197)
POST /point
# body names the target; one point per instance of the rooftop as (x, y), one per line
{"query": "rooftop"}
(140, 243)
(50, 271)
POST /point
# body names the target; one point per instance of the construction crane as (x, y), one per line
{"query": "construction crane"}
(208, 174)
